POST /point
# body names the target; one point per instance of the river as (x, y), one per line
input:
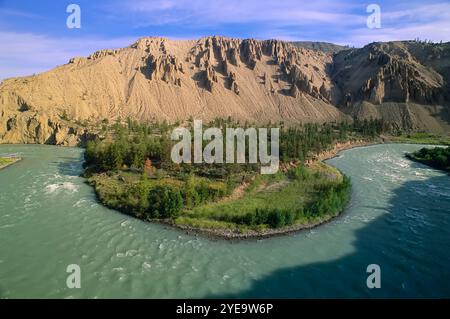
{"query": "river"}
(398, 218)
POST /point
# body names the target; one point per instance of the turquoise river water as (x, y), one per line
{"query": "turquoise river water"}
(398, 218)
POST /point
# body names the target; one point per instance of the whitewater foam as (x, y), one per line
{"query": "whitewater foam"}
(66, 186)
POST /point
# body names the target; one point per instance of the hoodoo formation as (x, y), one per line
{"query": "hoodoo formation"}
(406, 83)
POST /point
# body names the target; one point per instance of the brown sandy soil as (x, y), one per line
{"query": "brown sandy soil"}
(405, 83)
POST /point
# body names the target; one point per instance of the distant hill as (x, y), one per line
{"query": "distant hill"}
(325, 47)
(405, 82)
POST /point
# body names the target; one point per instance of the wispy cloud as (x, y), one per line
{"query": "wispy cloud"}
(27, 53)
(427, 21)
(434, 31)
(431, 11)
(17, 13)
(29, 46)
(206, 13)
(343, 21)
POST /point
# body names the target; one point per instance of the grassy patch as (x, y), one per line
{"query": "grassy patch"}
(4, 161)
(135, 194)
(302, 195)
(422, 138)
(271, 202)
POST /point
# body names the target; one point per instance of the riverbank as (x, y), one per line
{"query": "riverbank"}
(340, 147)
(418, 138)
(385, 139)
(227, 234)
(437, 158)
(7, 161)
(135, 175)
(302, 195)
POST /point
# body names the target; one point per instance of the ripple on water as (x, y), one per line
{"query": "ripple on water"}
(121, 256)
(146, 265)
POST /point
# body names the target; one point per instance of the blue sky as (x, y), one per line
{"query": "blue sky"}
(34, 36)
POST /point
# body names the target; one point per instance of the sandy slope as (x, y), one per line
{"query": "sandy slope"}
(159, 78)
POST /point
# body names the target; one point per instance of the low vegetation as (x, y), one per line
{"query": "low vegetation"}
(6, 161)
(132, 172)
(421, 138)
(302, 196)
(437, 157)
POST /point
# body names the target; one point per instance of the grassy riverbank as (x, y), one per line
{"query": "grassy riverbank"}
(437, 157)
(6, 161)
(420, 138)
(299, 198)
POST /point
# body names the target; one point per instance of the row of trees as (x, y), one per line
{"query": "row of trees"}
(134, 143)
(104, 156)
(301, 141)
(161, 201)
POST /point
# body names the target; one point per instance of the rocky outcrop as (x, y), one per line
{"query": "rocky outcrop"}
(399, 81)
(209, 77)
(225, 54)
(325, 92)
(233, 84)
(97, 55)
(165, 67)
(405, 83)
(41, 129)
(293, 91)
(386, 72)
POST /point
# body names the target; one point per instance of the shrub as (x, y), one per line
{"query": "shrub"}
(275, 218)
(164, 202)
(332, 199)
(437, 157)
(299, 173)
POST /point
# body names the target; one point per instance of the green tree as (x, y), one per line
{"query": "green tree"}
(164, 202)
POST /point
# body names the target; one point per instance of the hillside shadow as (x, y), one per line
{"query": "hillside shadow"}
(199, 78)
(419, 165)
(70, 166)
(285, 92)
(444, 114)
(405, 252)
